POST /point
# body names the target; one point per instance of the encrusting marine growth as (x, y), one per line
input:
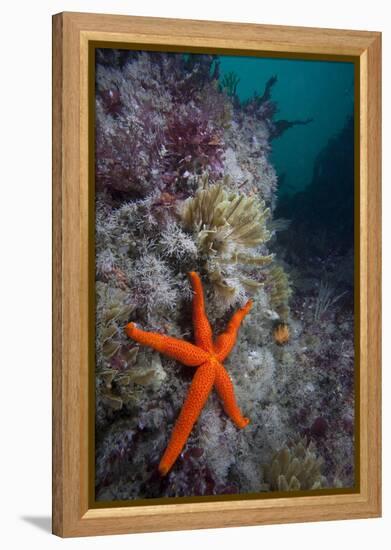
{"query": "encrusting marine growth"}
(208, 356)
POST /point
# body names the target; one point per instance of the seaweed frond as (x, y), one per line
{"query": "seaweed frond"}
(280, 290)
(325, 300)
(230, 83)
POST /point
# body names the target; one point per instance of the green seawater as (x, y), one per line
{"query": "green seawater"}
(321, 90)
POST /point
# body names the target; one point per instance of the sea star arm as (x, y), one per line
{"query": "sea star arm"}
(202, 331)
(225, 390)
(186, 353)
(226, 341)
(200, 388)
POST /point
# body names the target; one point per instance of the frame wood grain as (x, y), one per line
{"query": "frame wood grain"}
(72, 33)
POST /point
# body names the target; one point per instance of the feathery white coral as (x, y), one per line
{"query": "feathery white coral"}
(152, 285)
(177, 244)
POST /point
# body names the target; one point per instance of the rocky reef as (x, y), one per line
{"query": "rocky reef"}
(184, 183)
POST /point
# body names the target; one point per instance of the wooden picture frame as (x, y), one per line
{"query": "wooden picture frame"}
(73, 33)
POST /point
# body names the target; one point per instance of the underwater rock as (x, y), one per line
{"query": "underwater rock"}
(323, 213)
(184, 183)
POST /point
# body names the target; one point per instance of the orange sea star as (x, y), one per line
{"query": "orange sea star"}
(207, 355)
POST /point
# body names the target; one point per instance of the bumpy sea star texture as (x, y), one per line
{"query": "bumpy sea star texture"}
(207, 355)
(167, 132)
